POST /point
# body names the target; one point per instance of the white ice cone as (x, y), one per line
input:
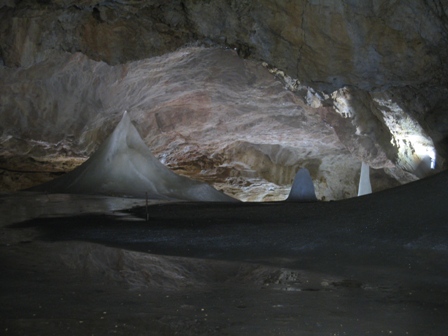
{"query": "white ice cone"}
(124, 166)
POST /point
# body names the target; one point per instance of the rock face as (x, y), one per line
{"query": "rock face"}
(342, 82)
(335, 43)
(205, 113)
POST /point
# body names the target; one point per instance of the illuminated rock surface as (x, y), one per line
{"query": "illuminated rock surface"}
(377, 95)
(204, 113)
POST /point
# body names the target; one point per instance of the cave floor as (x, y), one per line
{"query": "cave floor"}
(41, 297)
(86, 265)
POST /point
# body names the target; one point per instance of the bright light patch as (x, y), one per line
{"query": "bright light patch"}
(427, 155)
(416, 151)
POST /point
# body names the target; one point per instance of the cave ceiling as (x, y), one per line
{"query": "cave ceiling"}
(240, 94)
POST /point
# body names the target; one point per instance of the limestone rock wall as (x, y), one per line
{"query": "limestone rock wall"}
(367, 82)
(205, 112)
(369, 44)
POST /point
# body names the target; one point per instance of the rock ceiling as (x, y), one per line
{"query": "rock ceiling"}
(240, 94)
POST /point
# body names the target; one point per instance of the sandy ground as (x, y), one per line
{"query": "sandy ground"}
(86, 265)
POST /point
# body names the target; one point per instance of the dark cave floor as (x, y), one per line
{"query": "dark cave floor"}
(55, 302)
(85, 265)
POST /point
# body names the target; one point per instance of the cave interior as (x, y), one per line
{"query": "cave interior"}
(181, 219)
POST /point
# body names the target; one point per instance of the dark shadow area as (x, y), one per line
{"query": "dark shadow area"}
(394, 228)
(370, 265)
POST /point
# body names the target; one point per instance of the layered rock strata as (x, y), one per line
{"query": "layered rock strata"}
(368, 83)
(205, 113)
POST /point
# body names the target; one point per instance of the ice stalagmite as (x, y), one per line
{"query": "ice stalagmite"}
(124, 166)
(302, 189)
(364, 180)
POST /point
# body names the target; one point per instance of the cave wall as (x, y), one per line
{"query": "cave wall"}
(368, 44)
(371, 74)
(204, 112)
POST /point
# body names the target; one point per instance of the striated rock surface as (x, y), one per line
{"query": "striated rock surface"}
(367, 83)
(330, 43)
(205, 113)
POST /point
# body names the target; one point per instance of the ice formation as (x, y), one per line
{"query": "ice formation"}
(124, 166)
(364, 180)
(302, 189)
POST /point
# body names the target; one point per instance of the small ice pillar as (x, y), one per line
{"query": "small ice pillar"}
(431, 153)
(302, 189)
(364, 180)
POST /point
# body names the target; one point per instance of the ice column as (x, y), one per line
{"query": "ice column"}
(302, 189)
(364, 181)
